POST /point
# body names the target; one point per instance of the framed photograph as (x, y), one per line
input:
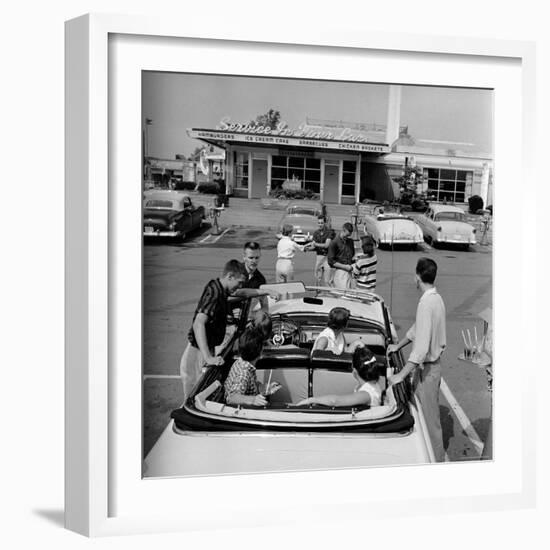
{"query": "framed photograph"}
(183, 148)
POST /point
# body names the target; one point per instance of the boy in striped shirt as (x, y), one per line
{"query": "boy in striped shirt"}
(364, 266)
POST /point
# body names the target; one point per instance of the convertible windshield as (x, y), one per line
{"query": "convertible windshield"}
(389, 217)
(169, 205)
(304, 211)
(452, 216)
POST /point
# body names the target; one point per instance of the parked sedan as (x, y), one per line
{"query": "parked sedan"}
(303, 216)
(445, 224)
(207, 435)
(388, 228)
(170, 214)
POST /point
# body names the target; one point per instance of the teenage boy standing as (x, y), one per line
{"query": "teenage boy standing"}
(209, 324)
(321, 241)
(340, 257)
(254, 279)
(429, 340)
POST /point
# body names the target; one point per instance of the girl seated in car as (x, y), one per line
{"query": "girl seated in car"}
(241, 385)
(332, 338)
(369, 389)
(261, 320)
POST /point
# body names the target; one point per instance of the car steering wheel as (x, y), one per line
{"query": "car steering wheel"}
(284, 331)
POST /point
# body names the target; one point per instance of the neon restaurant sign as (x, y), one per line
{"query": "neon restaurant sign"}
(302, 136)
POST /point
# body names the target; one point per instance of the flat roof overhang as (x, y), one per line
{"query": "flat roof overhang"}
(221, 139)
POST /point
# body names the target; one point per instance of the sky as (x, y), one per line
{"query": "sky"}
(177, 101)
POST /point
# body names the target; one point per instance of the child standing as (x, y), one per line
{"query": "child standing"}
(364, 266)
(369, 389)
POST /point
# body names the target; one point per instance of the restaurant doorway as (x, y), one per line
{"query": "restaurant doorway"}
(331, 183)
(259, 178)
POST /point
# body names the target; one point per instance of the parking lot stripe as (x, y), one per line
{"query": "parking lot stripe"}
(205, 238)
(220, 236)
(160, 376)
(462, 418)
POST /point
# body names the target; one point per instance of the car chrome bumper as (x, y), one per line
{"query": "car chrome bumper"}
(162, 233)
(454, 241)
(400, 241)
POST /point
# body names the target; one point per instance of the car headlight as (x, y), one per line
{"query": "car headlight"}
(474, 231)
(440, 229)
(172, 226)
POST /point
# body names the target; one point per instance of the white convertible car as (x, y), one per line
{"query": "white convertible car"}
(445, 224)
(388, 227)
(208, 436)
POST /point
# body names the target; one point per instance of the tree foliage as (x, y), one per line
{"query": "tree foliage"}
(408, 185)
(270, 119)
(196, 154)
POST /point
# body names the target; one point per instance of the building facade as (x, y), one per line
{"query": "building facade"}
(345, 164)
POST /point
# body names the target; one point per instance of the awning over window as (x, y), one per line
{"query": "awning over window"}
(376, 183)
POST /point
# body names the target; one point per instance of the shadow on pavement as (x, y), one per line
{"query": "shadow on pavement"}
(177, 243)
(447, 425)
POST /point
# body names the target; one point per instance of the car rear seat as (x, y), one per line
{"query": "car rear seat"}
(293, 376)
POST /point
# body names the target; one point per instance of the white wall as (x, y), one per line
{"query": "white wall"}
(32, 275)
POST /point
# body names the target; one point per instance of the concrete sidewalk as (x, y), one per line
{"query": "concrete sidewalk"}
(249, 212)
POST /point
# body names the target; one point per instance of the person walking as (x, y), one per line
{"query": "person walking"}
(340, 255)
(322, 238)
(209, 324)
(286, 249)
(428, 336)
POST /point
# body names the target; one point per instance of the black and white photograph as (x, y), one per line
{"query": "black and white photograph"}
(266, 303)
(317, 274)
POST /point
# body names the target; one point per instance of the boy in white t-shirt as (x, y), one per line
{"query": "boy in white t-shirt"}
(286, 249)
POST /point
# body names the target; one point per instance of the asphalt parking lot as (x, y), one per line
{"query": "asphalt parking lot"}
(175, 274)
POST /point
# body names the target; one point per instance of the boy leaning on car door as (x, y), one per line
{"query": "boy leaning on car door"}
(429, 340)
(209, 323)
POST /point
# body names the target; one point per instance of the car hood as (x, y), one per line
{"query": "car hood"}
(158, 215)
(307, 223)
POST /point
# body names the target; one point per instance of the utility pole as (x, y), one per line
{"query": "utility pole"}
(148, 122)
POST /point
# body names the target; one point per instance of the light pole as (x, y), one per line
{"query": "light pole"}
(148, 122)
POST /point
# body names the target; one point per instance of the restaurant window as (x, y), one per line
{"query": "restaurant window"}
(241, 170)
(448, 185)
(348, 178)
(306, 170)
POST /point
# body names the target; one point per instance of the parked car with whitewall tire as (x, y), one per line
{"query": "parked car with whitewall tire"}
(446, 224)
(392, 228)
(303, 216)
(170, 214)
